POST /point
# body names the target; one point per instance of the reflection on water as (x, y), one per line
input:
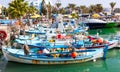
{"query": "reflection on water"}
(111, 64)
(104, 31)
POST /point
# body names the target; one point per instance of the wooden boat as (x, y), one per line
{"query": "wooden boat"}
(34, 32)
(95, 42)
(111, 44)
(28, 37)
(54, 57)
(40, 51)
(78, 43)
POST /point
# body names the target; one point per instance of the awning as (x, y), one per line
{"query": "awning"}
(35, 16)
(96, 16)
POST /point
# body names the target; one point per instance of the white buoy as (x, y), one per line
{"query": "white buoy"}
(94, 60)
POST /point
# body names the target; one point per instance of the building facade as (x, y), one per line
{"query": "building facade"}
(37, 3)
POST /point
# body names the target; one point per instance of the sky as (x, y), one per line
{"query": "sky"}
(105, 3)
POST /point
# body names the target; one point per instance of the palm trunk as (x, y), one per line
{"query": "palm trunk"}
(28, 19)
(111, 11)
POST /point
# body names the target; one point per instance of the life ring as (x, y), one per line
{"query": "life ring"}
(3, 35)
(59, 36)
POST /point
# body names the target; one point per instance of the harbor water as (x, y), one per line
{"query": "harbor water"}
(111, 64)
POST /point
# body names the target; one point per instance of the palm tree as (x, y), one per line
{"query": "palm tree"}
(62, 11)
(49, 9)
(92, 9)
(17, 8)
(98, 8)
(71, 6)
(54, 10)
(112, 4)
(43, 8)
(58, 6)
(84, 9)
(31, 10)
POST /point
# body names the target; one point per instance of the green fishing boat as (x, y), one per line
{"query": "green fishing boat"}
(110, 24)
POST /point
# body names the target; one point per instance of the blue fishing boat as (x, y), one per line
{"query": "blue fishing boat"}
(51, 55)
(87, 43)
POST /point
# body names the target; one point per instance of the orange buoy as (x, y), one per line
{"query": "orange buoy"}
(94, 41)
(100, 40)
(74, 54)
(17, 23)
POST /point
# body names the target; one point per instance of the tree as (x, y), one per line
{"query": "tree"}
(49, 9)
(84, 9)
(54, 10)
(43, 8)
(98, 8)
(58, 6)
(17, 8)
(31, 10)
(92, 8)
(112, 4)
(71, 6)
(62, 11)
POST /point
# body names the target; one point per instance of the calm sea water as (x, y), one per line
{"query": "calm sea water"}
(111, 64)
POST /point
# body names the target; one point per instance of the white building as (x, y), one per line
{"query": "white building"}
(37, 3)
(0, 9)
(107, 11)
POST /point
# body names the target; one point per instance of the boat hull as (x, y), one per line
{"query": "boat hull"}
(110, 24)
(95, 25)
(29, 60)
(111, 45)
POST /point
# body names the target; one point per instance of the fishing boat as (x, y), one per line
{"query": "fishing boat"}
(59, 50)
(96, 42)
(110, 24)
(51, 55)
(90, 42)
(35, 30)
